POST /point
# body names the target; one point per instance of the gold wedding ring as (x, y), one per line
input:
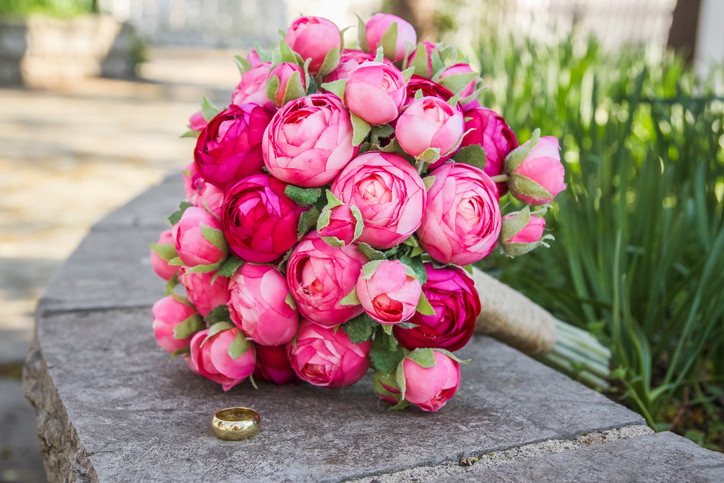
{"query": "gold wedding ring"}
(235, 424)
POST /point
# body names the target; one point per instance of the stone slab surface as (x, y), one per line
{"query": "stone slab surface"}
(662, 457)
(139, 418)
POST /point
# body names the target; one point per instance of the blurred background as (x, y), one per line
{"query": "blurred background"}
(95, 93)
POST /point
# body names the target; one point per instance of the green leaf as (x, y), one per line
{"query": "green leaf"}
(212, 267)
(468, 268)
(220, 313)
(182, 351)
(452, 356)
(520, 184)
(216, 328)
(208, 110)
(362, 35)
(337, 87)
(423, 306)
(191, 134)
(332, 201)
(419, 63)
(287, 53)
(229, 268)
(370, 252)
(307, 221)
(302, 196)
(400, 377)
(511, 226)
(416, 264)
(289, 300)
(474, 155)
(351, 298)
(216, 237)
(263, 54)
(418, 250)
(331, 61)
(272, 89)
(422, 357)
(167, 251)
(238, 346)
(176, 262)
(456, 83)
(175, 217)
(406, 325)
(384, 355)
(361, 328)
(429, 181)
(243, 64)
(360, 129)
(368, 269)
(312, 87)
(419, 94)
(171, 284)
(387, 329)
(516, 157)
(188, 327)
(399, 406)
(380, 54)
(430, 155)
(408, 73)
(389, 41)
(383, 131)
(182, 300)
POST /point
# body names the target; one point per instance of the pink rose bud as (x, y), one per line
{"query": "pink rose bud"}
(377, 26)
(452, 295)
(272, 364)
(192, 182)
(339, 224)
(388, 192)
(252, 87)
(320, 276)
(253, 58)
(348, 63)
(221, 361)
(174, 323)
(205, 296)
(192, 246)
(259, 220)
(375, 92)
(430, 388)
(522, 233)
(429, 48)
(462, 218)
(309, 141)
(454, 75)
(430, 123)
(325, 357)
(313, 38)
(390, 292)
(386, 387)
(493, 134)
(163, 252)
(210, 198)
(262, 306)
(197, 121)
(538, 178)
(429, 89)
(229, 148)
(284, 72)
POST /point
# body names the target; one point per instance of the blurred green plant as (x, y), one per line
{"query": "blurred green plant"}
(639, 255)
(54, 8)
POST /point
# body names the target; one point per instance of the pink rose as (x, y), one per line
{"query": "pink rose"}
(160, 264)
(272, 364)
(211, 198)
(168, 314)
(429, 48)
(201, 293)
(319, 276)
(494, 135)
(430, 388)
(462, 218)
(325, 357)
(260, 305)
(531, 233)
(283, 72)
(309, 141)
(539, 178)
(313, 38)
(460, 68)
(427, 123)
(192, 182)
(389, 193)
(452, 295)
(348, 63)
(345, 225)
(259, 220)
(197, 121)
(379, 23)
(518, 237)
(391, 293)
(229, 148)
(375, 92)
(252, 87)
(213, 361)
(192, 247)
(253, 58)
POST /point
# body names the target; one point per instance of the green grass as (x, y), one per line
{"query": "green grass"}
(639, 255)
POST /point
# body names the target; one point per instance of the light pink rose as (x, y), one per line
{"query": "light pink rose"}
(319, 276)
(460, 68)
(167, 315)
(260, 304)
(161, 266)
(429, 48)
(391, 294)
(389, 193)
(349, 62)
(528, 238)
(325, 357)
(462, 218)
(197, 121)
(201, 293)
(192, 247)
(252, 87)
(543, 167)
(212, 360)
(531, 233)
(430, 388)
(192, 182)
(343, 224)
(272, 364)
(313, 38)
(379, 23)
(427, 123)
(309, 141)
(210, 198)
(284, 72)
(375, 92)
(253, 58)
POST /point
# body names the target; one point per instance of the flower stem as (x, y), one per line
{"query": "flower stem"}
(501, 178)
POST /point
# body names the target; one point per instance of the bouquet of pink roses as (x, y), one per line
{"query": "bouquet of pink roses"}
(333, 210)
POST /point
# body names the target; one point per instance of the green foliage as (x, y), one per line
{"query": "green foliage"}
(54, 8)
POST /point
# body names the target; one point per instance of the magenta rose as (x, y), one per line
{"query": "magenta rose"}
(252, 87)
(192, 247)
(283, 72)
(493, 134)
(343, 227)
(319, 276)
(379, 23)
(375, 92)
(213, 361)
(325, 357)
(428, 123)
(205, 296)
(430, 388)
(211, 198)
(349, 62)
(162, 253)
(272, 364)
(309, 141)
(229, 148)
(168, 317)
(429, 48)
(197, 121)
(462, 218)
(452, 295)
(192, 182)
(429, 89)
(261, 305)
(460, 68)
(390, 293)
(388, 192)
(259, 220)
(539, 178)
(313, 38)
